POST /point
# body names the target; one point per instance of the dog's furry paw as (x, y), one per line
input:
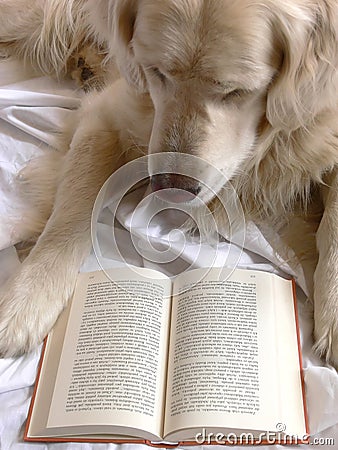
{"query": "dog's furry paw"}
(326, 341)
(326, 311)
(30, 303)
(326, 290)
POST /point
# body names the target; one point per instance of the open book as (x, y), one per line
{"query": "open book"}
(140, 357)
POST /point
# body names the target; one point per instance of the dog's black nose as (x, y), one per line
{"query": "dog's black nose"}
(183, 188)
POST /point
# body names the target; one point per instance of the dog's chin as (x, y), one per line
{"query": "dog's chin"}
(182, 197)
(173, 195)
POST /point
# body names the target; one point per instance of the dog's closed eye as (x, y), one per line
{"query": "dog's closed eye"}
(158, 74)
(233, 95)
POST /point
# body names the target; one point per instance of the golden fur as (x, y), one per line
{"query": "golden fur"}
(248, 85)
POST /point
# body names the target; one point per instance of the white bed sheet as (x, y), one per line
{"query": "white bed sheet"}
(32, 110)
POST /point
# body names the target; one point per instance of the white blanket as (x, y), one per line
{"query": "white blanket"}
(32, 110)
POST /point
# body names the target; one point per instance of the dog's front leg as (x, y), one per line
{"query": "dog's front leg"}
(32, 300)
(326, 279)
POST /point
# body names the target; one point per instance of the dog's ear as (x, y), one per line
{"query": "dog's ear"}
(307, 81)
(123, 14)
(112, 22)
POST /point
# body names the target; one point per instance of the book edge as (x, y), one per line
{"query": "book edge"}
(306, 418)
(36, 384)
(255, 442)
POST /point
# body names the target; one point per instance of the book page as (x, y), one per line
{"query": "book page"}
(114, 359)
(222, 362)
(291, 414)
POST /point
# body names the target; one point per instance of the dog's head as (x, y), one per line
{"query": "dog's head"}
(220, 72)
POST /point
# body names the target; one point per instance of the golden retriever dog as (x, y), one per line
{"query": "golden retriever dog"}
(250, 86)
